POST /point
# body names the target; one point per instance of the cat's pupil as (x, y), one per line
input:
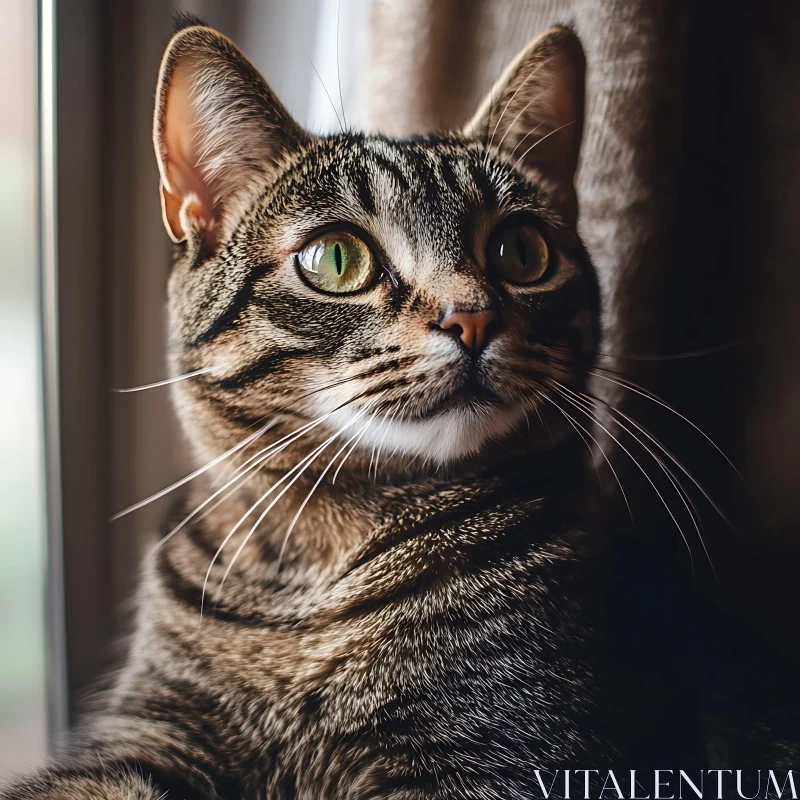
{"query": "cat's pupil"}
(337, 257)
(521, 252)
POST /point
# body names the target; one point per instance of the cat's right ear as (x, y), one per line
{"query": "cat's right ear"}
(533, 115)
(218, 129)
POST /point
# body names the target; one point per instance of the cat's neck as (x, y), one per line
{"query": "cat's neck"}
(318, 524)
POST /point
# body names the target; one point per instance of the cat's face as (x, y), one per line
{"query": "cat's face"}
(419, 293)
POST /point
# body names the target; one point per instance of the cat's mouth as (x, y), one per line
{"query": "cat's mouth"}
(471, 394)
(442, 423)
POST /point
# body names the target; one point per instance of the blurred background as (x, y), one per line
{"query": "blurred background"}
(690, 198)
(23, 736)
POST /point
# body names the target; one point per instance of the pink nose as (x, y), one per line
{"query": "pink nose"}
(471, 327)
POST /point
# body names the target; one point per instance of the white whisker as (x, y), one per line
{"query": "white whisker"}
(387, 425)
(517, 145)
(527, 421)
(546, 136)
(165, 382)
(314, 488)
(514, 121)
(505, 108)
(258, 460)
(575, 422)
(318, 388)
(632, 387)
(399, 413)
(240, 522)
(327, 93)
(638, 465)
(299, 469)
(672, 458)
(586, 442)
(687, 501)
(349, 453)
(192, 475)
(544, 423)
(338, 71)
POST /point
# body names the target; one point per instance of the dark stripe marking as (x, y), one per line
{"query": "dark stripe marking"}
(484, 185)
(364, 192)
(386, 165)
(190, 595)
(239, 303)
(264, 366)
(450, 178)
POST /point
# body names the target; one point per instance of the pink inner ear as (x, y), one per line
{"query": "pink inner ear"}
(185, 189)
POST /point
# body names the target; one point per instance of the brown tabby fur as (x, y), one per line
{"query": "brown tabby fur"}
(437, 623)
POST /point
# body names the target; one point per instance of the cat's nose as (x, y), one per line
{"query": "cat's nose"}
(471, 327)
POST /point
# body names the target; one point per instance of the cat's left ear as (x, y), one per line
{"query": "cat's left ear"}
(534, 113)
(218, 130)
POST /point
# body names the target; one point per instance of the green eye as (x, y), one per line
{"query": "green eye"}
(337, 262)
(519, 254)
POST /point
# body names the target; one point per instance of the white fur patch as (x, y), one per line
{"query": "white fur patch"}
(442, 438)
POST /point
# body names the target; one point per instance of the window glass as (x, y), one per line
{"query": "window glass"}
(22, 635)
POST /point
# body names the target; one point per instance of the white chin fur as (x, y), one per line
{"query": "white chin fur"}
(445, 437)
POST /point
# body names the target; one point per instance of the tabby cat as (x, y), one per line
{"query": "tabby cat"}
(380, 586)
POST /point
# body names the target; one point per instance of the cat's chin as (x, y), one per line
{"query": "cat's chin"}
(451, 434)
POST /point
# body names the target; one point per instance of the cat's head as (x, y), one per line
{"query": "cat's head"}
(420, 292)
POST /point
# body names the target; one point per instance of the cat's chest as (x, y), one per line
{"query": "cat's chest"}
(472, 613)
(457, 595)
(437, 623)
(470, 633)
(477, 656)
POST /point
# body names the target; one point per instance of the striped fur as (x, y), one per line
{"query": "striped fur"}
(434, 630)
